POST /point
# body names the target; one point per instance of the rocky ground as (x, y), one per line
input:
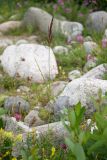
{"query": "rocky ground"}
(40, 75)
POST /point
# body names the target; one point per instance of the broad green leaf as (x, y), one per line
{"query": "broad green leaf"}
(72, 118)
(95, 146)
(79, 152)
(70, 144)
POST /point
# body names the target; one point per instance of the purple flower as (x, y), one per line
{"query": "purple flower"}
(89, 57)
(55, 7)
(104, 43)
(85, 2)
(67, 10)
(18, 116)
(63, 146)
(80, 38)
(94, 1)
(61, 2)
(80, 14)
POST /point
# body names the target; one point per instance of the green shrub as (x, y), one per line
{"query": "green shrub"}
(9, 82)
(87, 141)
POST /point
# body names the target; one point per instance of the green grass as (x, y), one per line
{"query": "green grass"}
(75, 59)
(102, 57)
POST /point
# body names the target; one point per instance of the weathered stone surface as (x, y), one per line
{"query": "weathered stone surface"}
(71, 28)
(29, 61)
(97, 21)
(82, 90)
(23, 89)
(16, 104)
(105, 34)
(61, 103)
(33, 119)
(74, 74)
(87, 39)
(10, 25)
(57, 87)
(97, 72)
(5, 42)
(36, 17)
(90, 46)
(21, 41)
(56, 128)
(33, 39)
(60, 50)
(89, 65)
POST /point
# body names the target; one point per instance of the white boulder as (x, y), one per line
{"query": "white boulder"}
(74, 75)
(29, 61)
(83, 90)
(60, 50)
(90, 46)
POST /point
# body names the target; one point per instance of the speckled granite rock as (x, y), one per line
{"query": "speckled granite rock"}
(82, 90)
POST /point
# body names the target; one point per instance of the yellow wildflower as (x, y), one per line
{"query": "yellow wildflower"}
(19, 137)
(53, 151)
(14, 158)
(60, 68)
(8, 134)
(6, 154)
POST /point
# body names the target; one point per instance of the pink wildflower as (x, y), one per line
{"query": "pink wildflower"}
(80, 15)
(89, 57)
(67, 10)
(18, 116)
(104, 43)
(80, 38)
(61, 2)
(55, 7)
(63, 146)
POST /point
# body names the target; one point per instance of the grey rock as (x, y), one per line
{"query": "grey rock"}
(97, 21)
(60, 50)
(4, 42)
(33, 119)
(16, 104)
(50, 107)
(33, 39)
(74, 74)
(87, 39)
(89, 65)
(36, 17)
(57, 87)
(83, 90)
(21, 41)
(105, 34)
(97, 72)
(9, 25)
(71, 29)
(24, 89)
(61, 103)
(90, 47)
